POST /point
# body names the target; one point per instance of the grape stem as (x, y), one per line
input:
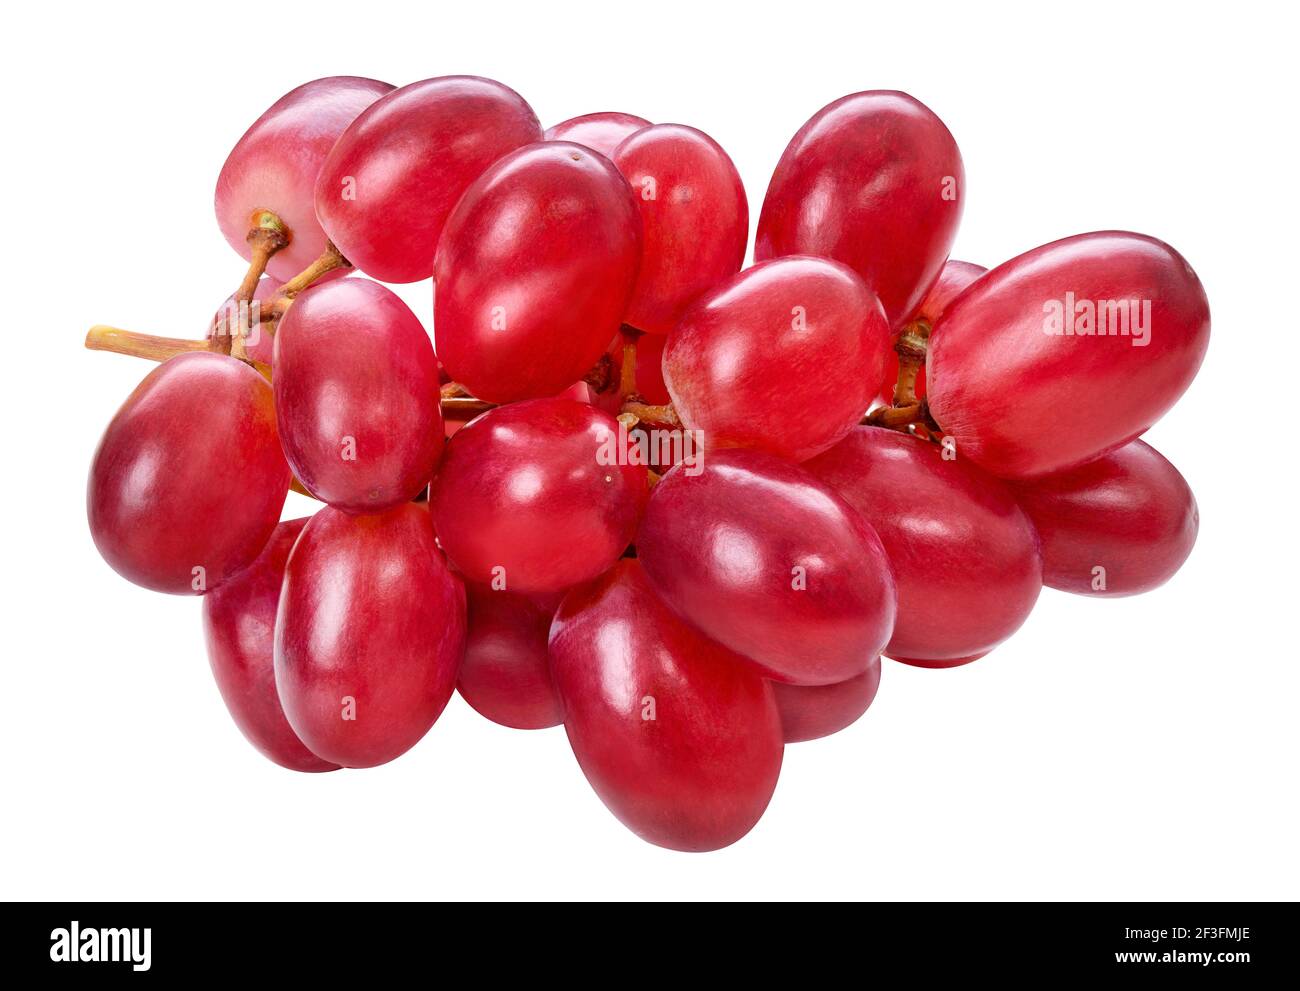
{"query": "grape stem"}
(330, 259)
(664, 415)
(267, 236)
(114, 339)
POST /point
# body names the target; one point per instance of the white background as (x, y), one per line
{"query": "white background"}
(1138, 748)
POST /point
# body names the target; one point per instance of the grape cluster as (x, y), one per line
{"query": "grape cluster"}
(680, 506)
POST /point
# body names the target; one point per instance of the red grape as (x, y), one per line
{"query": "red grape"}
(369, 635)
(966, 558)
(809, 712)
(765, 559)
(239, 626)
(1129, 513)
(188, 481)
(505, 675)
(259, 344)
(694, 216)
(679, 737)
(785, 357)
(873, 180)
(527, 498)
(356, 394)
(534, 271)
(600, 132)
(275, 164)
(650, 369)
(954, 278)
(391, 181)
(1020, 399)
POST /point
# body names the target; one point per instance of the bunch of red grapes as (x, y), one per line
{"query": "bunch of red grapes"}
(680, 506)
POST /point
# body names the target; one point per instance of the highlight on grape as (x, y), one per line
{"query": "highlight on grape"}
(689, 509)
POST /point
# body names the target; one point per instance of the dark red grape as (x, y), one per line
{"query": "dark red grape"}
(694, 216)
(506, 676)
(768, 561)
(1130, 514)
(966, 558)
(356, 394)
(391, 181)
(534, 272)
(1020, 398)
(275, 165)
(188, 481)
(600, 132)
(785, 357)
(369, 635)
(679, 737)
(529, 498)
(809, 712)
(239, 626)
(873, 180)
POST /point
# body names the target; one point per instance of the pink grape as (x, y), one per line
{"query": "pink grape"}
(873, 180)
(679, 737)
(694, 216)
(369, 635)
(1021, 400)
(810, 712)
(966, 559)
(1129, 513)
(275, 165)
(389, 184)
(239, 626)
(188, 481)
(601, 132)
(356, 394)
(506, 676)
(534, 272)
(784, 357)
(528, 495)
(764, 558)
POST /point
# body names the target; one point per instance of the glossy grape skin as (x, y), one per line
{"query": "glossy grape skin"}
(239, 627)
(188, 475)
(275, 165)
(721, 548)
(258, 342)
(352, 361)
(521, 496)
(966, 559)
(953, 280)
(694, 217)
(700, 773)
(534, 272)
(784, 357)
(369, 611)
(1130, 512)
(873, 180)
(810, 712)
(601, 132)
(505, 675)
(1021, 402)
(407, 160)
